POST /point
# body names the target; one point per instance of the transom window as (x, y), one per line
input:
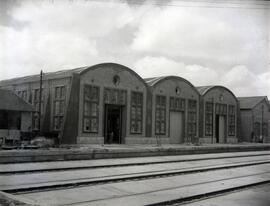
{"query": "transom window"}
(160, 123)
(136, 112)
(177, 104)
(221, 109)
(91, 109)
(115, 96)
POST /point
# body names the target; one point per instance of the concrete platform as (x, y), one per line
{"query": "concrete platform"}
(256, 196)
(121, 151)
(12, 200)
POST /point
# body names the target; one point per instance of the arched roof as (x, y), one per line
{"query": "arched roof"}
(67, 73)
(153, 81)
(204, 89)
(85, 69)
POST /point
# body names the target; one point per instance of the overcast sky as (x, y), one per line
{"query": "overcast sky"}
(225, 43)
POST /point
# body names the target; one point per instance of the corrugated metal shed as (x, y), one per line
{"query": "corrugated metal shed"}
(10, 101)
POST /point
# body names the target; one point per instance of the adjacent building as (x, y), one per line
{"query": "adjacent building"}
(15, 117)
(218, 115)
(255, 119)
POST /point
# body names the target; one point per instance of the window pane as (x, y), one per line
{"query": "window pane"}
(157, 127)
(94, 109)
(162, 128)
(86, 124)
(162, 115)
(133, 112)
(94, 94)
(56, 123)
(133, 126)
(56, 107)
(87, 93)
(63, 92)
(139, 127)
(94, 125)
(86, 108)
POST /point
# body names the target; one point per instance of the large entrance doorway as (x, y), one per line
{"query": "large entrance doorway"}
(220, 128)
(113, 124)
(176, 127)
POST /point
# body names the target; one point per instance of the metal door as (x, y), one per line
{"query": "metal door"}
(221, 129)
(176, 127)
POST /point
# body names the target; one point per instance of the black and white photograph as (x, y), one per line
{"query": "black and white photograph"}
(134, 102)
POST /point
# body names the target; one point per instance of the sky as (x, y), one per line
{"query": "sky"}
(207, 42)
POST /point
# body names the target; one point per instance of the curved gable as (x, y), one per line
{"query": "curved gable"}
(204, 90)
(158, 80)
(115, 65)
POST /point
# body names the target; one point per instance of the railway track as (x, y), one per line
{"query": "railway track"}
(140, 161)
(217, 174)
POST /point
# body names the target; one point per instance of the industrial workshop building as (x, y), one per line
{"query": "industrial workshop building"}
(218, 115)
(175, 109)
(110, 103)
(255, 119)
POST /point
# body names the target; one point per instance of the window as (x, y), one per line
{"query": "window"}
(265, 129)
(209, 107)
(114, 96)
(59, 107)
(90, 109)
(35, 103)
(177, 104)
(231, 111)
(23, 95)
(221, 109)
(136, 112)
(160, 115)
(192, 118)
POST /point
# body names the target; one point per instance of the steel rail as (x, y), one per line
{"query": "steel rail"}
(122, 165)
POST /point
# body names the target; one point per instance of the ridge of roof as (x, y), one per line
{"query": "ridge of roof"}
(46, 76)
(250, 101)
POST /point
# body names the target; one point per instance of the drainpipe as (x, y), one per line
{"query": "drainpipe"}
(40, 99)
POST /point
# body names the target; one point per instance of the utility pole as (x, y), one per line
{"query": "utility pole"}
(40, 99)
(262, 124)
